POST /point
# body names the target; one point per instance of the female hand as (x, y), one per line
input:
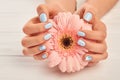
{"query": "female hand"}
(93, 40)
(36, 31)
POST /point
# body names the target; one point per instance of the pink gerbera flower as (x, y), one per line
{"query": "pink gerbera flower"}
(63, 49)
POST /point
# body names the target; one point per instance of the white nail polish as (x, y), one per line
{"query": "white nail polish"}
(88, 16)
(47, 36)
(42, 48)
(43, 17)
(88, 58)
(44, 56)
(82, 34)
(81, 43)
(49, 25)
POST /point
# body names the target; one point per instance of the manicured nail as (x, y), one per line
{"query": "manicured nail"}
(44, 56)
(49, 25)
(82, 34)
(47, 36)
(88, 58)
(43, 17)
(81, 43)
(88, 16)
(42, 48)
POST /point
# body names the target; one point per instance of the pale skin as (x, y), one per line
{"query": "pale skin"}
(35, 31)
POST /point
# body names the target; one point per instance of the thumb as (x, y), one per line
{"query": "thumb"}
(90, 14)
(43, 12)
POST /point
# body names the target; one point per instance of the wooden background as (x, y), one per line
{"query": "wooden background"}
(14, 66)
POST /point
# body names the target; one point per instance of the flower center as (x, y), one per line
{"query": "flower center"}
(66, 42)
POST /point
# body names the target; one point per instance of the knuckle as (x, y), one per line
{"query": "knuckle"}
(106, 55)
(24, 51)
(36, 57)
(102, 36)
(26, 29)
(103, 25)
(105, 45)
(24, 42)
(103, 48)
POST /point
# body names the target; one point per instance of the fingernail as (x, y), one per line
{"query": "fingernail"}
(47, 36)
(44, 56)
(43, 17)
(82, 34)
(88, 16)
(42, 48)
(88, 58)
(49, 25)
(81, 43)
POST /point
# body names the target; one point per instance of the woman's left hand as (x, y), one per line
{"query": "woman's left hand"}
(93, 40)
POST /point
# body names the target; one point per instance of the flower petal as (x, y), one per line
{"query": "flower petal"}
(82, 63)
(76, 63)
(85, 26)
(62, 20)
(70, 63)
(74, 22)
(54, 59)
(62, 65)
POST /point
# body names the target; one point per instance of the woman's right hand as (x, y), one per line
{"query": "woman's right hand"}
(36, 31)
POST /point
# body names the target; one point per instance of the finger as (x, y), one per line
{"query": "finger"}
(90, 14)
(90, 64)
(41, 56)
(31, 28)
(92, 45)
(92, 35)
(34, 50)
(43, 12)
(35, 40)
(91, 17)
(99, 26)
(91, 57)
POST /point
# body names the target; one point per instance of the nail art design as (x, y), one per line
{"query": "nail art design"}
(81, 43)
(82, 34)
(88, 58)
(49, 25)
(47, 36)
(42, 48)
(43, 17)
(88, 16)
(44, 56)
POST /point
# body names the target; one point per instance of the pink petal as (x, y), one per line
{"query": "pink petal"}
(74, 22)
(73, 70)
(70, 63)
(76, 63)
(82, 63)
(85, 26)
(62, 23)
(54, 59)
(62, 65)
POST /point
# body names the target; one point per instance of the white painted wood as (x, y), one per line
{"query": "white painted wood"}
(15, 66)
